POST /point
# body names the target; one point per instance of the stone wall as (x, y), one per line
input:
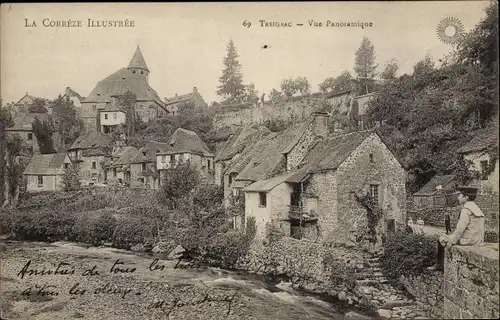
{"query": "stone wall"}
(303, 261)
(471, 282)
(435, 216)
(426, 288)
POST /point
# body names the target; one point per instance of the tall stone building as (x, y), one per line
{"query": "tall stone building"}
(133, 78)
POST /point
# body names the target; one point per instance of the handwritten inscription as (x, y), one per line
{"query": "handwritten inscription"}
(168, 299)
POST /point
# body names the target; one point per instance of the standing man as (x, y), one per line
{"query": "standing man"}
(447, 222)
(470, 226)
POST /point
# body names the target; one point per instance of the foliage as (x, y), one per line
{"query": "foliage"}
(177, 184)
(275, 96)
(373, 214)
(68, 124)
(292, 86)
(127, 101)
(276, 125)
(208, 196)
(89, 202)
(328, 85)
(407, 254)
(251, 94)
(231, 87)
(302, 85)
(5, 122)
(423, 67)
(43, 225)
(38, 106)
(491, 237)
(364, 64)
(343, 82)
(130, 231)
(43, 132)
(6, 215)
(94, 228)
(273, 233)
(339, 272)
(70, 179)
(390, 70)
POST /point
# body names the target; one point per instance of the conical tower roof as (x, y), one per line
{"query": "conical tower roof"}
(138, 61)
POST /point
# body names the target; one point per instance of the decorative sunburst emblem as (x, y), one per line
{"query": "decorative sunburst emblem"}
(449, 30)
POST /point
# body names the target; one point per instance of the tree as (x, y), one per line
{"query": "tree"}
(343, 82)
(364, 64)
(288, 86)
(177, 184)
(5, 122)
(275, 95)
(251, 94)
(127, 101)
(390, 70)
(231, 87)
(302, 85)
(328, 85)
(70, 178)
(67, 122)
(43, 132)
(38, 106)
(423, 66)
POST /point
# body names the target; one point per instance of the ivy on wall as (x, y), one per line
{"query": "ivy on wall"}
(374, 214)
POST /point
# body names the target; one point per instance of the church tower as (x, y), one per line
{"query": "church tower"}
(138, 66)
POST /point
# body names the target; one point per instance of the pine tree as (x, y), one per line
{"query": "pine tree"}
(364, 64)
(231, 87)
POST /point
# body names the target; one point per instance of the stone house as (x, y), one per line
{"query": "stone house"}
(143, 171)
(44, 172)
(482, 152)
(117, 169)
(276, 153)
(186, 145)
(89, 152)
(436, 193)
(193, 99)
(317, 198)
(135, 79)
(23, 126)
(25, 102)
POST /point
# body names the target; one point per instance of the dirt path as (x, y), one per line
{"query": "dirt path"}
(87, 286)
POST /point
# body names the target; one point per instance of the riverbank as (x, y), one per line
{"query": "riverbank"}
(68, 281)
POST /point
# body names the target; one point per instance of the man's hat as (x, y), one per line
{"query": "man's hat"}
(467, 190)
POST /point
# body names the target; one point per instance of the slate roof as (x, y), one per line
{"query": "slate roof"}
(119, 83)
(23, 122)
(72, 93)
(93, 143)
(271, 153)
(110, 107)
(30, 97)
(125, 156)
(185, 141)
(329, 154)
(46, 164)
(243, 138)
(150, 149)
(486, 138)
(137, 60)
(429, 189)
(180, 98)
(269, 184)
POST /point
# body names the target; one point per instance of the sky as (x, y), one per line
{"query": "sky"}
(184, 44)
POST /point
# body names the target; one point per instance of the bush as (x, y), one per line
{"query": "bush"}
(89, 202)
(43, 225)
(491, 237)
(130, 231)
(94, 228)
(407, 254)
(6, 216)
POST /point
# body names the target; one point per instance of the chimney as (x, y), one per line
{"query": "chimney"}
(195, 89)
(320, 124)
(67, 91)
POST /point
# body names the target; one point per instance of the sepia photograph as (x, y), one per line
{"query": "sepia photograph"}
(249, 160)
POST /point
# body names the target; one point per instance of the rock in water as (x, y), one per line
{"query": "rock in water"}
(384, 313)
(176, 253)
(342, 296)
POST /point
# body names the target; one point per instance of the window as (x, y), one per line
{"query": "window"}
(114, 172)
(144, 153)
(209, 165)
(142, 72)
(30, 136)
(143, 166)
(106, 116)
(262, 199)
(163, 159)
(374, 192)
(40, 181)
(66, 165)
(114, 115)
(141, 180)
(94, 165)
(484, 168)
(133, 71)
(172, 159)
